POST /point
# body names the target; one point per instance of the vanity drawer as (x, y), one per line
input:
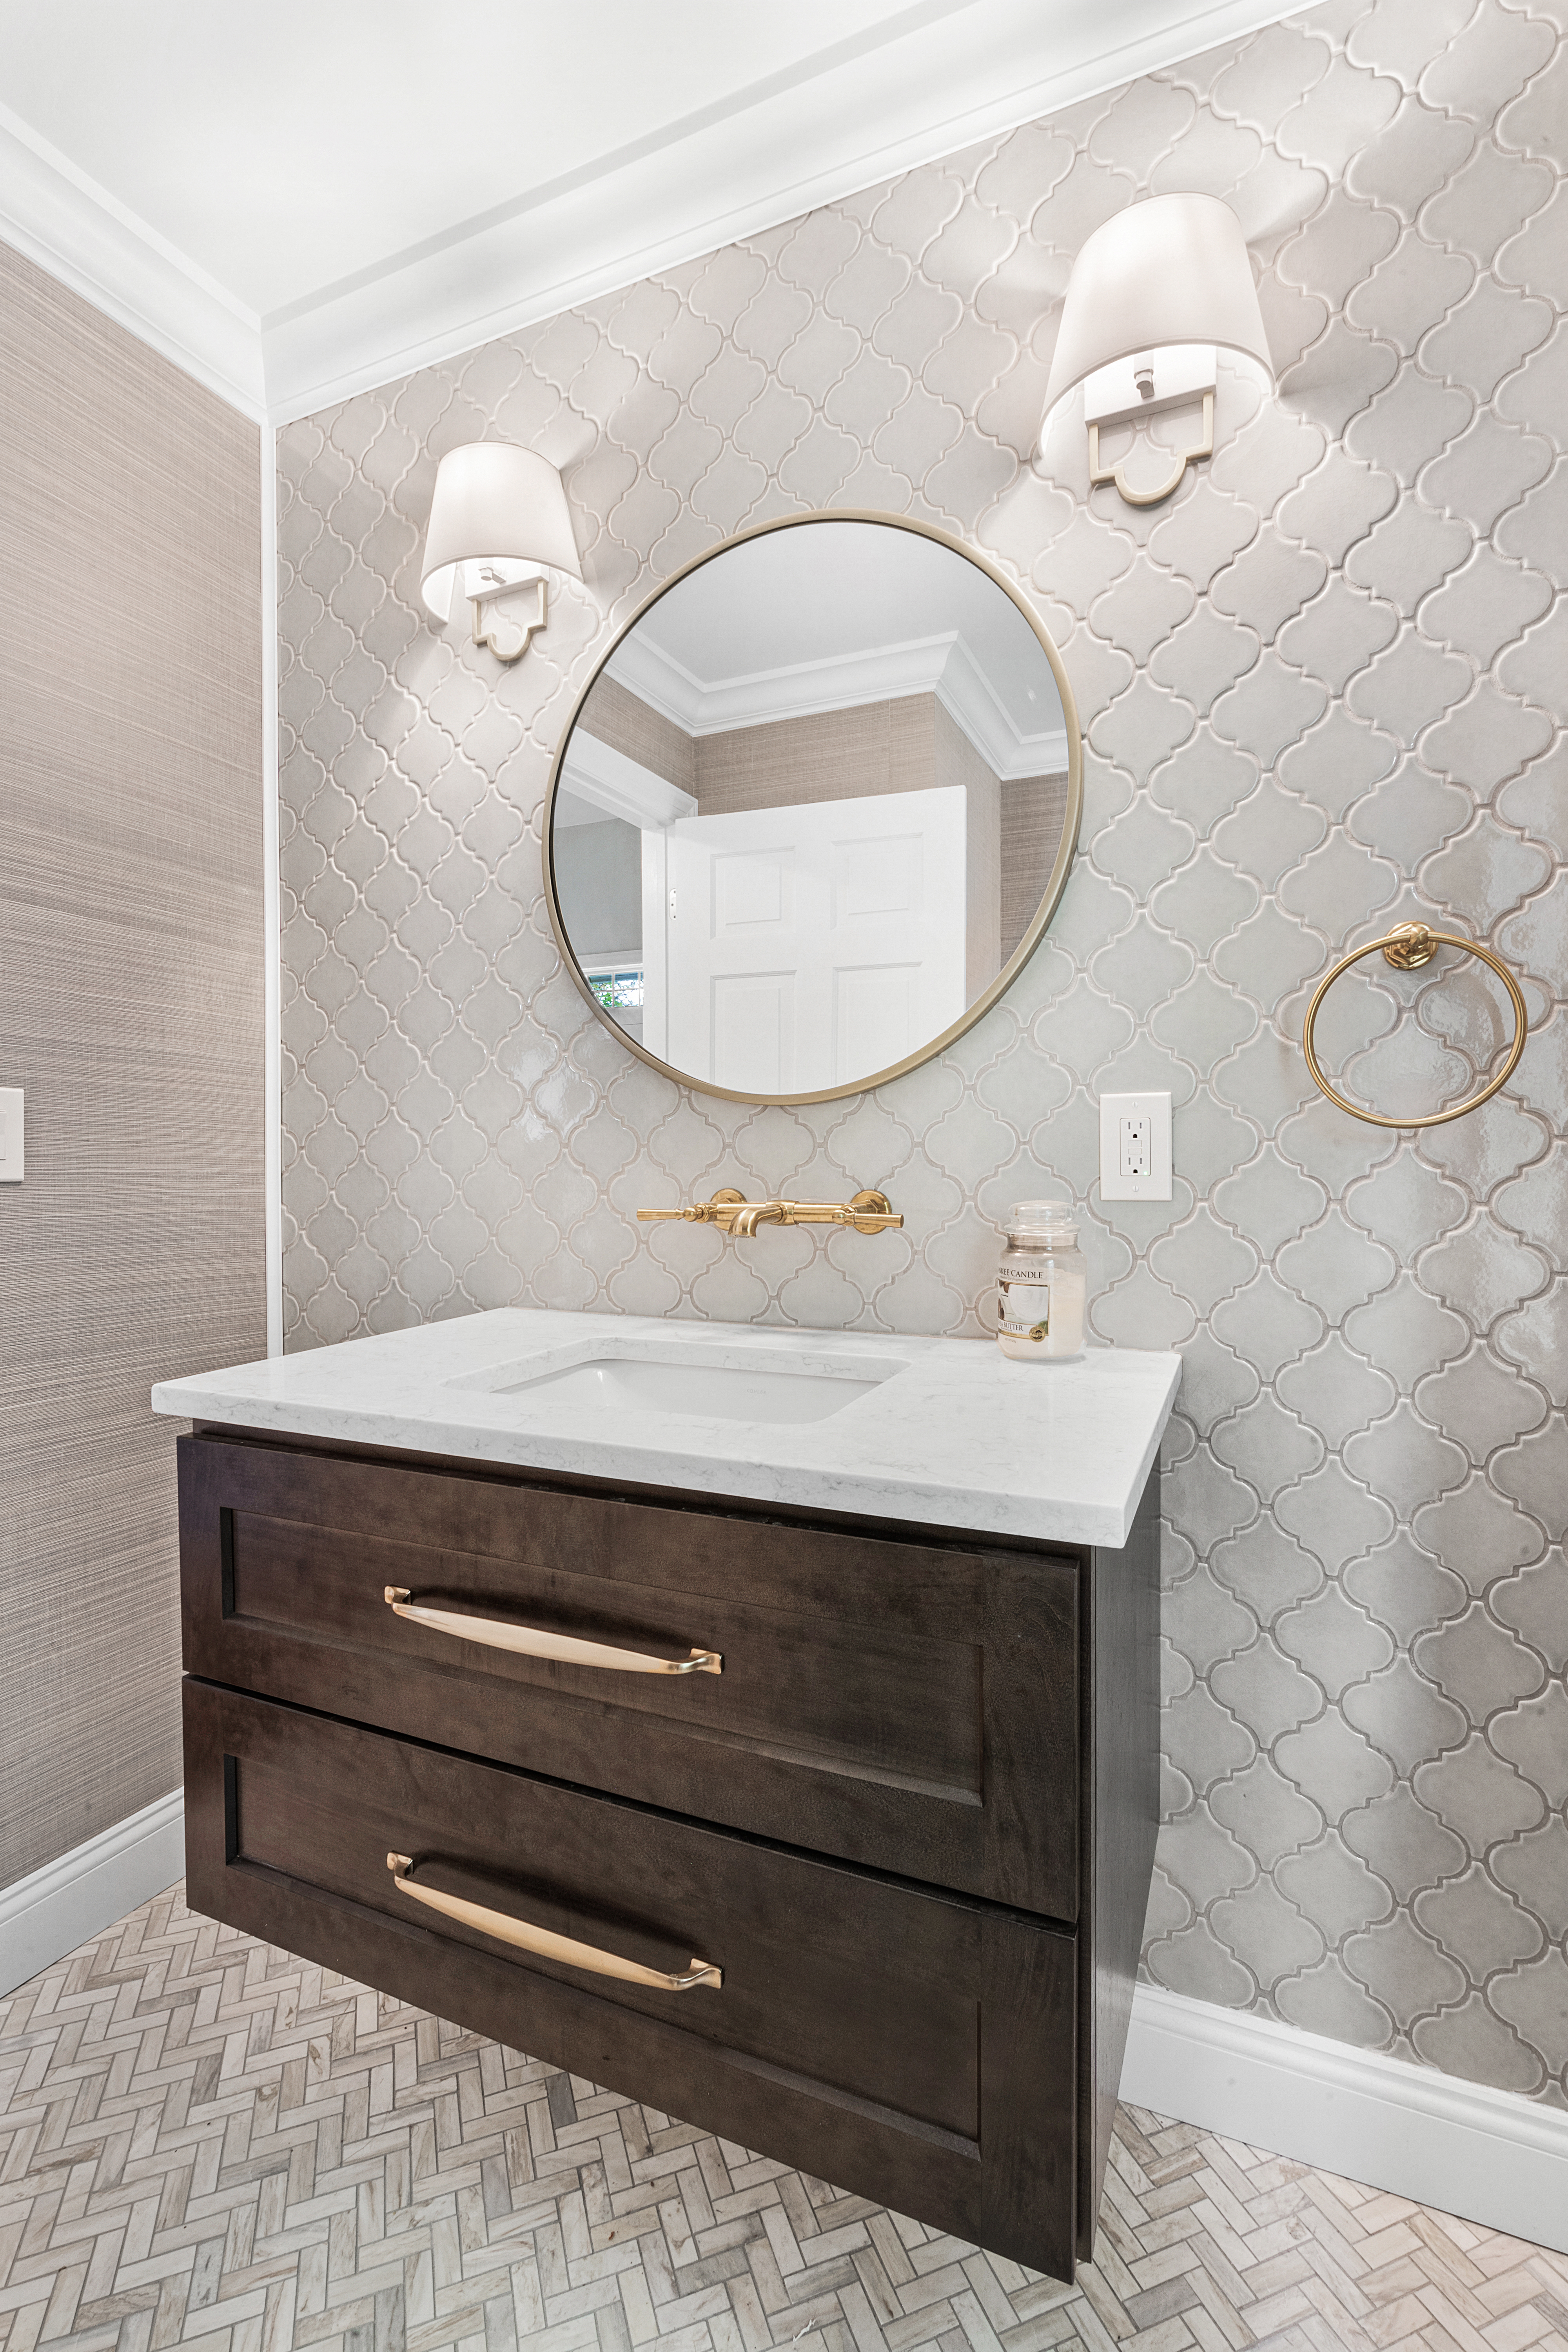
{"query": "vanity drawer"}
(910, 1706)
(914, 2046)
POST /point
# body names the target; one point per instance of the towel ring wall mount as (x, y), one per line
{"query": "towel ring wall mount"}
(1407, 947)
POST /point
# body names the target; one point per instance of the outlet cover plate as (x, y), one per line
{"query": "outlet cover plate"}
(1156, 1110)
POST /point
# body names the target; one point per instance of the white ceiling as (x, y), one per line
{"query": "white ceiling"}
(287, 147)
(295, 200)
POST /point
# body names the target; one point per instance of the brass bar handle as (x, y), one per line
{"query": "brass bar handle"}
(526, 1938)
(1407, 947)
(872, 1212)
(534, 1642)
(715, 1212)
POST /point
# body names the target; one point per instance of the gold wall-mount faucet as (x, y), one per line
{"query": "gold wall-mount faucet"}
(868, 1212)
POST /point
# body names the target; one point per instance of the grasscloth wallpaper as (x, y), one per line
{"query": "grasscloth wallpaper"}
(1323, 689)
(131, 1015)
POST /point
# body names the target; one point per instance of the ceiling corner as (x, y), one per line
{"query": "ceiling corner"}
(60, 221)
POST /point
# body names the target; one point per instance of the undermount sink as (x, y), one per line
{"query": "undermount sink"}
(897, 1426)
(615, 1385)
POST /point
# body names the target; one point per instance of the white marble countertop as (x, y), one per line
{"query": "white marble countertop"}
(952, 1434)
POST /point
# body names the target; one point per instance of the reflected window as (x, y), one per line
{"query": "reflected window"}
(616, 989)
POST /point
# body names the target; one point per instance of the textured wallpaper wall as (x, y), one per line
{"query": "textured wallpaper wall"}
(131, 953)
(1321, 688)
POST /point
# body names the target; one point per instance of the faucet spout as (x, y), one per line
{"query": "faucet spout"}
(746, 1219)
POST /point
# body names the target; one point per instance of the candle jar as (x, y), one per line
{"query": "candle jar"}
(1042, 1284)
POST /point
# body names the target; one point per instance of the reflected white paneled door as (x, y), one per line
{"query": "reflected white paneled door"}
(813, 945)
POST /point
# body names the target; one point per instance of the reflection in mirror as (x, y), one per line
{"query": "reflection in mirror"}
(812, 805)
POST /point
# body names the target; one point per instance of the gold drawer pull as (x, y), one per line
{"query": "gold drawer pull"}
(528, 1938)
(531, 1642)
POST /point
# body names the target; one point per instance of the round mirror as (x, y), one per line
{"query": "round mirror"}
(813, 810)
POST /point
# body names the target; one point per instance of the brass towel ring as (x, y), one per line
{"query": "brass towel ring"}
(1407, 947)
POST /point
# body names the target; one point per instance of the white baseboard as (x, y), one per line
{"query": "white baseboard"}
(1487, 2156)
(52, 1910)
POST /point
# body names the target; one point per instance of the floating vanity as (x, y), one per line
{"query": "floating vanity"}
(761, 1723)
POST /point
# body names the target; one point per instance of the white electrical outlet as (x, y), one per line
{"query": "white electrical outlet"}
(1135, 1147)
(11, 1168)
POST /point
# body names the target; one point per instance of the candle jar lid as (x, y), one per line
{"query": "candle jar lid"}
(1044, 1219)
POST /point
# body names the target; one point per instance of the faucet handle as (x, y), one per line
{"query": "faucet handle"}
(871, 1212)
(701, 1212)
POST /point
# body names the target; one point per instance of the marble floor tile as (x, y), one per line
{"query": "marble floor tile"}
(207, 2142)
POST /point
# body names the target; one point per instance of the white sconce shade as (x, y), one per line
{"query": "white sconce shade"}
(1163, 275)
(498, 521)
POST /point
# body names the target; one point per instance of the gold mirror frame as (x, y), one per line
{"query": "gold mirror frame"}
(1056, 883)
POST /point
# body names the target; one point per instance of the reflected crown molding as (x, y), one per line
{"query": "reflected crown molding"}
(943, 665)
(607, 780)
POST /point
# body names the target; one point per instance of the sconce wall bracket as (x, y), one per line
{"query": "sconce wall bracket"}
(1143, 385)
(506, 617)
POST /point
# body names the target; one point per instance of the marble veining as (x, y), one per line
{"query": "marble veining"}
(953, 1435)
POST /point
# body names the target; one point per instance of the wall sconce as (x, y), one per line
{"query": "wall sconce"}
(499, 522)
(1154, 294)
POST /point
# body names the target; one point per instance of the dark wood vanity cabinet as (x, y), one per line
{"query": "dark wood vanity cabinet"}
(911, 1821)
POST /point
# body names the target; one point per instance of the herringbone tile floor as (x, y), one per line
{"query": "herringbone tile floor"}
(209, 2143)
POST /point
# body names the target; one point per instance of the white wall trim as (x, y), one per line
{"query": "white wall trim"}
(64, 223)
(271, 900)
(1487, 2156)
(52, 1910)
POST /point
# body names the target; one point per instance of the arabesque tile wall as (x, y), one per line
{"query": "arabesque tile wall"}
(1321, 689)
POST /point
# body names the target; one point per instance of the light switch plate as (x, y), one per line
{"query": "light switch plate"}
(11, 1136)
(1135, 1147)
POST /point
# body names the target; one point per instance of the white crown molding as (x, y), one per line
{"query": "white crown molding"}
(764, 697)
(52, 1910)
(607, 780)
(943, 665)
(925, 84)
(1487, 2156)
(67, 225)
(932, 82)
(966, 694)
